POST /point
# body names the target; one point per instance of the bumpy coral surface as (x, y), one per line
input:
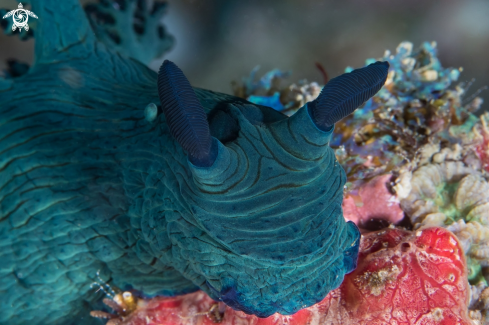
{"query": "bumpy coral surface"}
(402, 277)
(446, 192)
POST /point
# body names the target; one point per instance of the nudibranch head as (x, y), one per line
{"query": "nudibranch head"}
(263, 229)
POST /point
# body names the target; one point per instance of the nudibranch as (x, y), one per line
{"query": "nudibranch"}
(203, 191)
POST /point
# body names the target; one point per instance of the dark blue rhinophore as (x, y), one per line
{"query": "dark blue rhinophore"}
(345, 93)
(185, 116)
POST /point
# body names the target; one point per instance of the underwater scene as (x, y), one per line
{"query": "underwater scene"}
(187, 162)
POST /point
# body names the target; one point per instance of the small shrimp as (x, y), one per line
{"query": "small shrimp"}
(122, 303)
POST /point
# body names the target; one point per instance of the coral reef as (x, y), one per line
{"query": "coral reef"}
(402, 277)
(205, 191)
(446, 192)
(479, 303)
(474, 239)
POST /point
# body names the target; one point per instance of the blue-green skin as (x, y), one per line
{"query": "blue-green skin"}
(88, 183)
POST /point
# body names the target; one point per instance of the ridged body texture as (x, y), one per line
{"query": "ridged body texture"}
(90, 181)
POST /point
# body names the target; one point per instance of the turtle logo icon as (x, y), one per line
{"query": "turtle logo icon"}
(20, 17)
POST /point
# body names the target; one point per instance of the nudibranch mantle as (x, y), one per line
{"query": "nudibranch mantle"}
(91, 180)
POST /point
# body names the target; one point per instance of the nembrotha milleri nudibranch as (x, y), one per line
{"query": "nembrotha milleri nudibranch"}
(205, 191)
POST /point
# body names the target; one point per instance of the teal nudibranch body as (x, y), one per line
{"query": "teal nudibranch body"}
(205, 191)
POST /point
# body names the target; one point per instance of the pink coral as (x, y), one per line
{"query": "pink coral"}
(373, 201)
(402, 278)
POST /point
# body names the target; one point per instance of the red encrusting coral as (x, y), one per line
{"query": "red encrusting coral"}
(402, 278)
